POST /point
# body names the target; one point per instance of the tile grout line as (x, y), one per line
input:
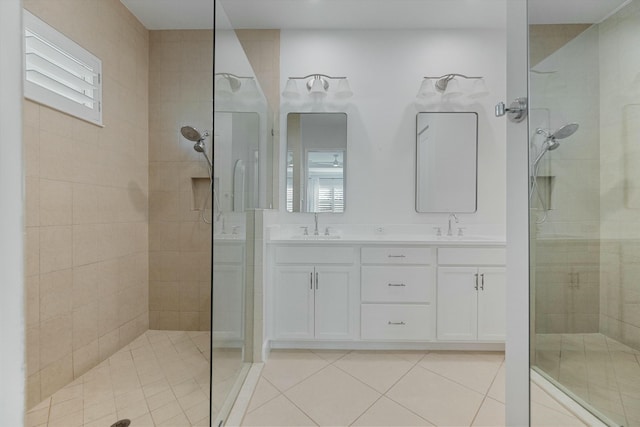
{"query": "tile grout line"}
(399, 379)
(486, 396)
(615, 375)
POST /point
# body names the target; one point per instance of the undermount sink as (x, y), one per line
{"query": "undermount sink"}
(320, 237)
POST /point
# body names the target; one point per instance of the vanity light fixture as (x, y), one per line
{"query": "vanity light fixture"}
(229, 84)
(448, 84)
(318, 86)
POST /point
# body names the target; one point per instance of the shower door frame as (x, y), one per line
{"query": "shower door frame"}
(518, 325)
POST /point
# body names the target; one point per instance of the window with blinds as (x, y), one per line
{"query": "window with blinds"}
(59, 73)
(326, 194)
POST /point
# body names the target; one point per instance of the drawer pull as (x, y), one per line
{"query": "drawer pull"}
(397, 284)
(396, 323)
(396, 256)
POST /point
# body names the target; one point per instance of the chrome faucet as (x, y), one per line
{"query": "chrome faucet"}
(450, 230)
(315, 230)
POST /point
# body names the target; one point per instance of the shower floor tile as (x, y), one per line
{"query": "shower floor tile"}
(595, 368)
(161, 378)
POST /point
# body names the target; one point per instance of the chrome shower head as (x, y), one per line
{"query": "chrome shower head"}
(564, 132)
(191, 133)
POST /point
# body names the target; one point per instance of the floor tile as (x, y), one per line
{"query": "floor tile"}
(278, 412)
(378, 370)
(541, 416)
(287, 368)
(471, 369)
(497, 390)
(332, 398)
(436, 399)
(330, 355)
(385, 412)
(263, 393)
(491, 413)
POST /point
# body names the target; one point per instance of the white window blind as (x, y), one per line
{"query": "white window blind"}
(60, 73)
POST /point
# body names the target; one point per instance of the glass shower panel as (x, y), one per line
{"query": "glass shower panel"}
(584, 208)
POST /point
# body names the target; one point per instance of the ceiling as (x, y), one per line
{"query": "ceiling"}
(172, 14)
(363, 14)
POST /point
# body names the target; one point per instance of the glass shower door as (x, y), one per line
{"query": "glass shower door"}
(584, 237)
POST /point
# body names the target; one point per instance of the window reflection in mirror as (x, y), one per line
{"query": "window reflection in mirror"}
(316, 162)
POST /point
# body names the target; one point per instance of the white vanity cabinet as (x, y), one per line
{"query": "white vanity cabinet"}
(397, 293)
(228, 292)
(315, 292)
(471, 294)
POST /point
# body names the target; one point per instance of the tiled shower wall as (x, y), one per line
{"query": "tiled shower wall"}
(181, 93)
(620, 175)
(86, 214)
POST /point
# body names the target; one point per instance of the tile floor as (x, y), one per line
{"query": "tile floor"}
(389, 388)
(596, 368)
(160, 379)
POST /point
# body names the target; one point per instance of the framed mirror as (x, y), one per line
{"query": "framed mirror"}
(237, 164)
(446, 162)
(316, 162)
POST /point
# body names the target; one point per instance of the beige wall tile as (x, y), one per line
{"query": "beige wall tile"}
(164, 236)
(108, 344)
(55, 248)
(32, 201)
(85, 204)
(32, 287)
(55, 154)
(33, 390)
(55, 202)
(56, 294)
(85, 285)
(32, 251)
(33, 350)
(85, 358)
(189, 320)
(55, 340)
(162, 266)
(85, 326)
(189, 296)
(85, 244)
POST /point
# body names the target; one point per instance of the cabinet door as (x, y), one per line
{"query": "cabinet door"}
(293, 302)
(334, 298)
(457, 304)
(492, 305)
(227, 299)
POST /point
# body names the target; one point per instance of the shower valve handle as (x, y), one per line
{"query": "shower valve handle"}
(517, 110)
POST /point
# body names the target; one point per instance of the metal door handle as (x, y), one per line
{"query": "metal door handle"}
(476, 286)
(396, 284)
(482, 282)
(311, 280)
(316, 280)
(517, 110)
(396, 323)
(397, 256)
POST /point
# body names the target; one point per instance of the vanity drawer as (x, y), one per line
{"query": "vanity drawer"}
(398, 322)
(315, 255)
(399, 255)
(472, 256)
(398, 284)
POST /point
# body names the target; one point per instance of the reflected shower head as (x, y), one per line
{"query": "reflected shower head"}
(563, 132)
(193, 134)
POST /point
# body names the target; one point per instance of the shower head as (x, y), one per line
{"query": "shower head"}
(565, 131)
(193, 134)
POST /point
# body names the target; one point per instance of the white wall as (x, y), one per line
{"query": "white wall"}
(12, 370)
(385, 70)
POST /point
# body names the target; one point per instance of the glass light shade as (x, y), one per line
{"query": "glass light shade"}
(250, 89)
(453, 89)
(344, 90)
(479, 89)
(223, 88)
(427, 90)
(317, 89)
(291, 89)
